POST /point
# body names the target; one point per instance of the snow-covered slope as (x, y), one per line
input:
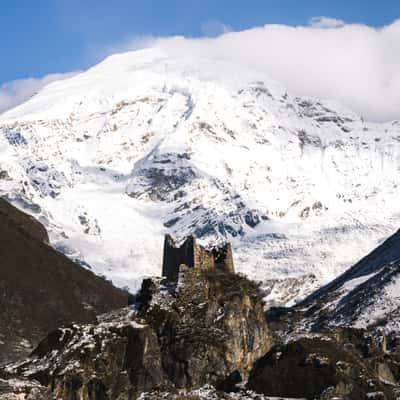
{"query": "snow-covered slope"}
(365, 296)
(145, 143)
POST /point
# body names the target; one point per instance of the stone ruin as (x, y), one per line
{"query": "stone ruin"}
(193, 255)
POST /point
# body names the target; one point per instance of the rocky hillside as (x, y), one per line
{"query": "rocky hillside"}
(146, 142)
(347, 364)
(365, 296)
(40, 288)
(207, 329)
(206, 336)
(202, 338)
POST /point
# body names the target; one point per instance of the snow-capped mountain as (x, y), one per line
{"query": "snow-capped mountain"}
(146, 143)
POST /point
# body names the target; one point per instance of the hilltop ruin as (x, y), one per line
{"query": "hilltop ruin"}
(193, 255)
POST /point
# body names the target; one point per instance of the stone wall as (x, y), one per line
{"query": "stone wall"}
(224, 258)
(203, 259)
(194, 256)
(174, 256)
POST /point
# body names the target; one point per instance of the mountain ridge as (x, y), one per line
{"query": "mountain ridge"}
(365, 296)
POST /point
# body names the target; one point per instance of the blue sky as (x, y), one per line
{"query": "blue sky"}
(39, 37)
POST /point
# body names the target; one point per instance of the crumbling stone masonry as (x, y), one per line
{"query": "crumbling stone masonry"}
(194, 256)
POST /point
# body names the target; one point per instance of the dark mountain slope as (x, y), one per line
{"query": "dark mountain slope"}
(387, 253)
(41, 289)
(366, 296)
(25, 223)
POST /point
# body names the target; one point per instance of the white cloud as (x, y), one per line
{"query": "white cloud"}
(356, 65)
(128, 44)
(16, 92)
(326, 23)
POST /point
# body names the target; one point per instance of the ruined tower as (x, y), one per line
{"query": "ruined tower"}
(195, 256)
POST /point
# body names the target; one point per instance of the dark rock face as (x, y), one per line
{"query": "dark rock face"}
(208, 329)
(344, 365)
(170, 173)
(115, 358)
(41, 289)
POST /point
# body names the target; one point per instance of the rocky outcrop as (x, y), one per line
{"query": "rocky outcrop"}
(14, 390)
(214, 328)
(347, 364)
(207, 392)
(207, 329)
(23, 389)
(41, 289)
